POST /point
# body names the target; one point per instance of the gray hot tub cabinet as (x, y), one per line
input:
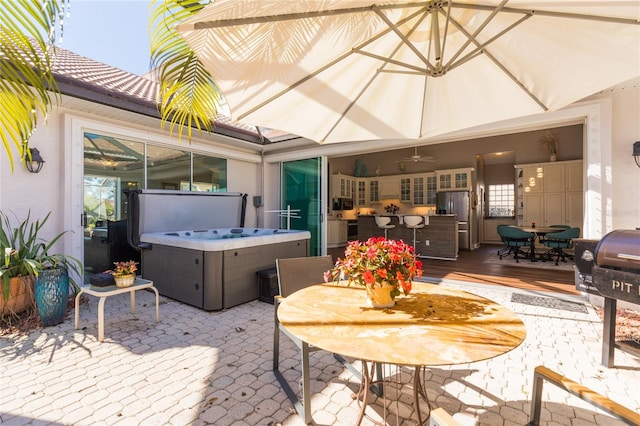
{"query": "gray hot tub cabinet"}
(214, 280)
(208, 279)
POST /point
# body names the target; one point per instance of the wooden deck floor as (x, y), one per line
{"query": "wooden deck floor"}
(470, 267)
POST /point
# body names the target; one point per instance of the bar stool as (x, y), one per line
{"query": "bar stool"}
(384, 222)
(414, 222)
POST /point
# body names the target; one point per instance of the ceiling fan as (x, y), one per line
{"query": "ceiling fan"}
(418, 158)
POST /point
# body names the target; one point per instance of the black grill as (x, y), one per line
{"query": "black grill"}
(616, 272)
(610, 268)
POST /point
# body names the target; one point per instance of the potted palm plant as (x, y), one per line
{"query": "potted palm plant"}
(30, 275)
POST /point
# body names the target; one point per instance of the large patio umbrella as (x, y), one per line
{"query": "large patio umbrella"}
(353, 70)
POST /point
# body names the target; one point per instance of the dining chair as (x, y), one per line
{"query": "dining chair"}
(558, 243)
(506, 250)
(518, 240)
(295, 274)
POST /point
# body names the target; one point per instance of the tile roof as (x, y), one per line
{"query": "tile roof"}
(83, 77)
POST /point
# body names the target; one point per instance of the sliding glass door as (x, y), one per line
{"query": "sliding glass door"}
(302, 192)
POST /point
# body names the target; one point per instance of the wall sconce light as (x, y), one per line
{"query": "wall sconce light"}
(636, 152)
(35, 163)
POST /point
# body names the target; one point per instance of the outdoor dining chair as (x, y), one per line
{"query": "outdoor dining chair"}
(558, 243)
(506, 250)
(295, 274)
(518, 240)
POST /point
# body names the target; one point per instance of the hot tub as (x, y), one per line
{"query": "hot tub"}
(223, 238)
(211, 268)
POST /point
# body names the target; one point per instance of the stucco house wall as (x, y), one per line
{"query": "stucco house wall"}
(625, 174)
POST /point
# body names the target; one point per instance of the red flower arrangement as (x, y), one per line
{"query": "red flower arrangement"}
(375, 261)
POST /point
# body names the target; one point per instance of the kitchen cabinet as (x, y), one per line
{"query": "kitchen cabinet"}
(553, 179)
(432, 188)
(533, 210)
(405, 189)
(552, 193)
(336, 233)
(418, 191)
(342, 186)
(424, 189)
(519, 196)
(554, 206)
(548, 177)
(455, 179)
(374, 191)
(573, 176)
(389, 187)
(532, 179)
(360, 195)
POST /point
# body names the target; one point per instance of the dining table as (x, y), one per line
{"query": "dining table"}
(431, 326)
(539, 231)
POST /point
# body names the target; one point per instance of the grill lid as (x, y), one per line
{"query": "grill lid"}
(620, 249)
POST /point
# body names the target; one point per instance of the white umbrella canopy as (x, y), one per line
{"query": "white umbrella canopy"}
(353, 70)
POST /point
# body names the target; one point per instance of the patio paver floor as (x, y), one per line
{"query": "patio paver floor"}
(197, 367)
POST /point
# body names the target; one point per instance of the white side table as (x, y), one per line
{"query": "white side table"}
(103, 292)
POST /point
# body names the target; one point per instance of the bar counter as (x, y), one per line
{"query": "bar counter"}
(438, 239)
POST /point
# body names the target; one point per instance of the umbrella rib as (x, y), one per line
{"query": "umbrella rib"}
(481, 46)
(296, 84)
(380, 70)
(356, 49)
(539, 12)
(404, 38)
(203, 25)
(472, 37)
(391, 61)
(319, 13)
(351, 104)
(515, 80)
(505, 70)
(446, 29)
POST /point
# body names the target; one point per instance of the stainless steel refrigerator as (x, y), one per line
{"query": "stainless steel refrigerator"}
(458, 203)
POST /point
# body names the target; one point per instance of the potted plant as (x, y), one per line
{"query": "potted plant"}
(551, 142)
(125, 273)
(384, 267)
(30, 274)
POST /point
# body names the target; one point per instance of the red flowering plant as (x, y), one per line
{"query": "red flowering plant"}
(376, 260)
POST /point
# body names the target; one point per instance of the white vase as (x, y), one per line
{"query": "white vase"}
(379, 295)
(553, 157)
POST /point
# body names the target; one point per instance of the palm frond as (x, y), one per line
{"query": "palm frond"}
(189, 97)
(27, 33)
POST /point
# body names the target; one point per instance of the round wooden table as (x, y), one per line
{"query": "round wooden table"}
(431, 326)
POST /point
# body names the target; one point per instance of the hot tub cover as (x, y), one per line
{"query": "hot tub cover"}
(152, 211)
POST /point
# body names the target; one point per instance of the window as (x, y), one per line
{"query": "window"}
(113, 164)
(501, 200)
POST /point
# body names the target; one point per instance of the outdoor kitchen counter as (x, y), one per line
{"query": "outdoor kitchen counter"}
(438, 239)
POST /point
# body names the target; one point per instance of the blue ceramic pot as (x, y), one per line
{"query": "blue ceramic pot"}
(52, 294)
